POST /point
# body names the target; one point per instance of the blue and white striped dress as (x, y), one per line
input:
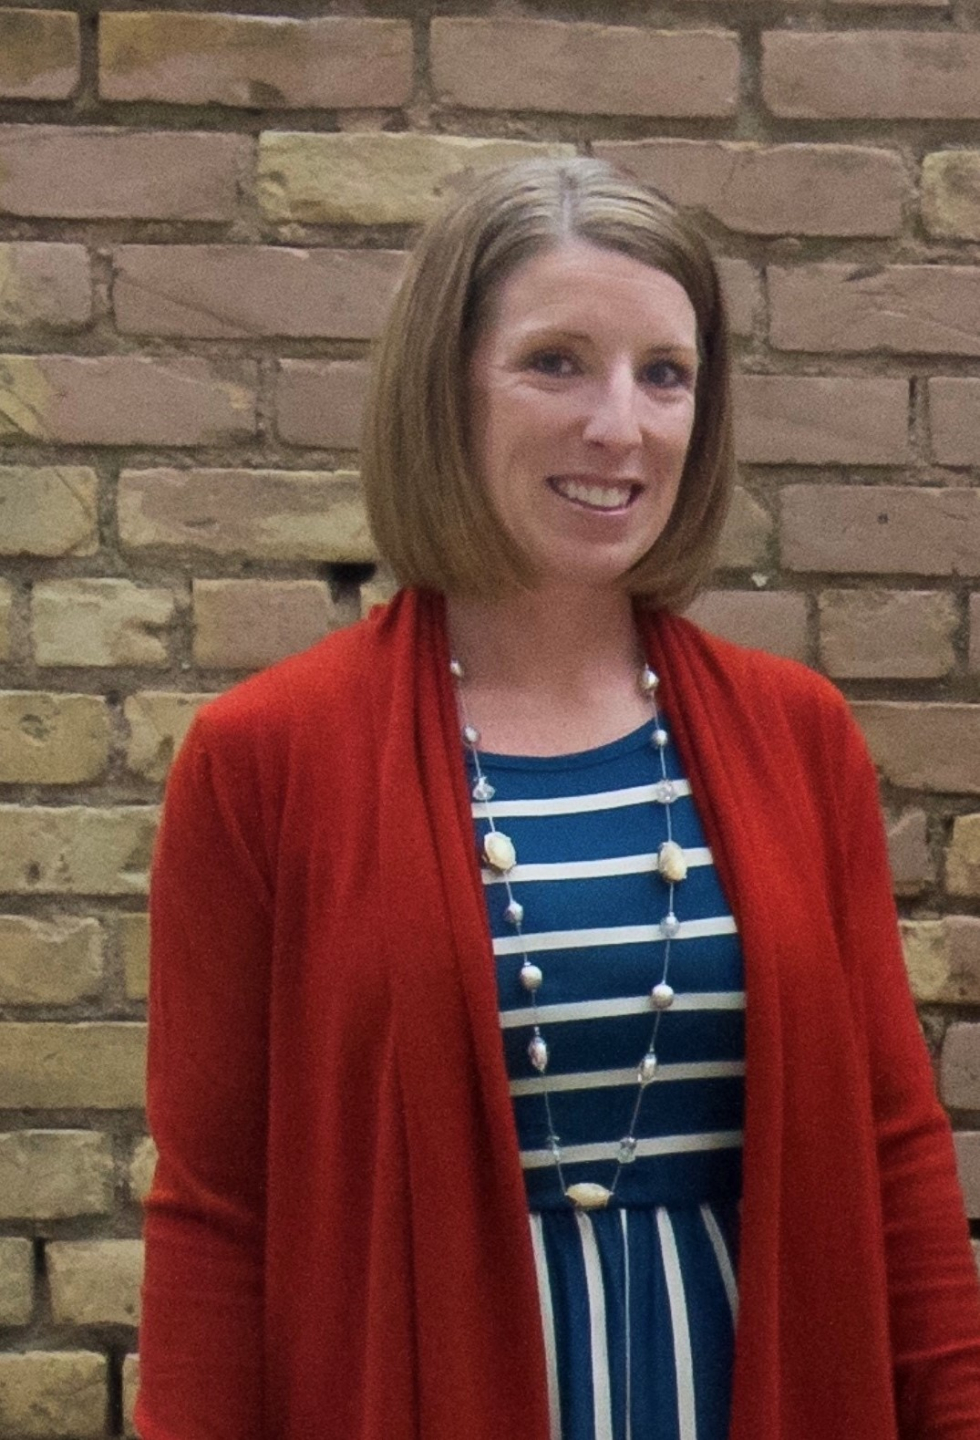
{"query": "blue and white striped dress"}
(654, 1273)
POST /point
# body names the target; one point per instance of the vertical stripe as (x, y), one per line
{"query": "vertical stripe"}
(602, 1409)
(722, 1256)
(547, 1324)
(683, 1364)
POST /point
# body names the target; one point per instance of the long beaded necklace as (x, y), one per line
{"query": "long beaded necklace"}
(500, 855)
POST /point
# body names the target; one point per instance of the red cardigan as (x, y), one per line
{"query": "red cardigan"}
(337, 1237)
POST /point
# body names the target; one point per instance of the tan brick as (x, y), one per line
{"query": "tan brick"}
(943, 959)
(963, 857)
(373, 179)
(126, 399)
(381, 587)
(804, 420)
(101, 622)
(898, 309)
(967, 1145)
(960, 1068)
(158, 720)
(131, 1385)
(742, 290)
(47, 1395)
(49, 962)
(924, 746)
(880, 634)
(141, 1168)
(94, 1065)
(745, 538)
(6, 615)
(134, 947)
(77, 173)
(877, 529)
(42, 285)
(40, 54)
(872, 74)
(975, 632)
(258, 62)
(773, 189)
(240, 291)
(264, 514)
(16, 1281)
(48, 510)
(52, 739)
(54, 1174)
(774, 622)
(75, 849)
(516, 64)
(321, 402)
(95, 1282)
(245, 624)
(908, 852)
(954, 420)
(951, 194)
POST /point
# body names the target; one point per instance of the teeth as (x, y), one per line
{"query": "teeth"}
(600, 497)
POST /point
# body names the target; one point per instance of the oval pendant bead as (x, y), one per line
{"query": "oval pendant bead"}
(587, 1196)
(471, 735)
(647, 1069)
(514, 914)
(662, 996)
(538, 1054)
(672, 862)
(626, 1150)
(483, 790)
(531, 977)
(499, 852)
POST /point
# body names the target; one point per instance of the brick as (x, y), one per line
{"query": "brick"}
(158, 720)
(101, 622)
(774, 622)
(54, 1174)
(871, 74)
(48, 510)
(381, 588)
(954, 420)
(897, 309)
(42, 285)
(742, 291)
(40, 54)
(49, 962)
(79, 173)
(959, 1074)
(245, 624)
(126, 399)
(263, 514)
(804, 420)
(47, 1395)
(133, 936)
(974, 632)
(894, 4)
(95, 1282)
(963, 857)
(748, 530)
(95, 1065)
(141, 1168)
(967, 1145)
(373, 179)
(951, 194)
(943, 959)
(6, 615)
(131, 1385)
(52, 739)
(877, 529)
(884, 634)
(321, 402)
(773, 189)
(232, 292)
(261, 63)
(908, 852)
(579, 69)
(75, 849)
(924, 747)
(16, 1281)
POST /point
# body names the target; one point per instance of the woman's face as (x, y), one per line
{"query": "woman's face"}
(582, 405)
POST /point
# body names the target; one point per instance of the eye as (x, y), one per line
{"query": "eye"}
(554, 363)
(667, 375)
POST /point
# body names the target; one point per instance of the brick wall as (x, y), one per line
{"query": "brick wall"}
(202, 217)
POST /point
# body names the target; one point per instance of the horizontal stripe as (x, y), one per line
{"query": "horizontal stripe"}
(579, 804)
(618, 1005)
(597, 1079)
(611, 935)
(659, 1145)
(592, 869)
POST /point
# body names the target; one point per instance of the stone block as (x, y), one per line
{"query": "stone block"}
(94, 1065)
(52, 1395)
(885, 634)
(76, 849)
(49, 962)
(951, 194)
(101, 622)
(52, 739)
(95, 1282)
(943, 959)
(54, 1174)
(16, 1281)
(881, 529)
(48, 510)
(245, 624)
(133, 935)
(963, 856)
(43, 285)
(158, 720)
(40, 54)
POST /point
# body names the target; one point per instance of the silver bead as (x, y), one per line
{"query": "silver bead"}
(531, 976)
(514, 914)
(662, 996)
(647, 1069)
(483, 790)
(649, 680)
(670, 925)
(659, 737)
(538, 1054)
(665, 792)
(553, 1144)
(626, 1150)
(471, 735)
(456, 669)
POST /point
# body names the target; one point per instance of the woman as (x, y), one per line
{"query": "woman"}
(338, 1241)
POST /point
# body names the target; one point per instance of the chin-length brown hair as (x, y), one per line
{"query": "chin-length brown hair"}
(429, 511)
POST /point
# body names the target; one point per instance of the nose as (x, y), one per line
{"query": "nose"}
(612, 417)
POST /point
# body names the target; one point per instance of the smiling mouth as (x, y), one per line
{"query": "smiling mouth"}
(594, 496)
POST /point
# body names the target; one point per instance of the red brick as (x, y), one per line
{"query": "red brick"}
(44, 285)
(245, 624)
(321, 402)
(185, 58)
(923, 746)
(925, 309)
(774, 622)
(240, 291)
(885, 634)
(954, 420)
(73, 172)
(742, 290)
(40, 54)
(975, 632)
(881, 529)
(799, 420)
(908, 852)
(872, 74)
(126, 399)
(505, 64)
(773, 189)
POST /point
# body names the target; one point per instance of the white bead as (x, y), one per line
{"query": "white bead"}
(514, 914)
(471, 735)
(670, 925)
(649, 680)
(456, 669)
(659, 737)
(499, 852)
(672, 862)
(662, 996)
(538, 1054)
(647, 1069)
(531, 977)
(587, 1196)
(483, 790)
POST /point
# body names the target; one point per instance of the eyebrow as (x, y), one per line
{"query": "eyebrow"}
(544, 333)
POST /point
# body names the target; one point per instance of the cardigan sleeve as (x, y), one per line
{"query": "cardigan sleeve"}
(934, 1299)
(201, 1337)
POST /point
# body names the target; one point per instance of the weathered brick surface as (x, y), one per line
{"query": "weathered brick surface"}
(47, 1395)
(94, 1065)
(908, 852)
(40, 54)
(16, 1281)
(53, 1174)
(321, 402)
(803, 420)
(877, 529)
(131, 1383)
(48, 510)
(245, 624)
(967, 1144)
(927, 309)
(75, 849)
(774, 622)
(960, 1067)
(132, 932)
(951, 194)
(373, 179)
(954, 419)
(47, 286)
(267, 514)
(924, 746)
(49, 962)
(747, 533)
(975, 632)
(254, 61)
(101, 622)
(742, 290)
(73, 172)
(95, 1282)
(943, 959)
(158, 720)
(879, 634)
(516, 64)
(141, 1168)
(240, 291)
(963, 857)
(871, 74)
(6, 611)
(773, 189)
(52, 739)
